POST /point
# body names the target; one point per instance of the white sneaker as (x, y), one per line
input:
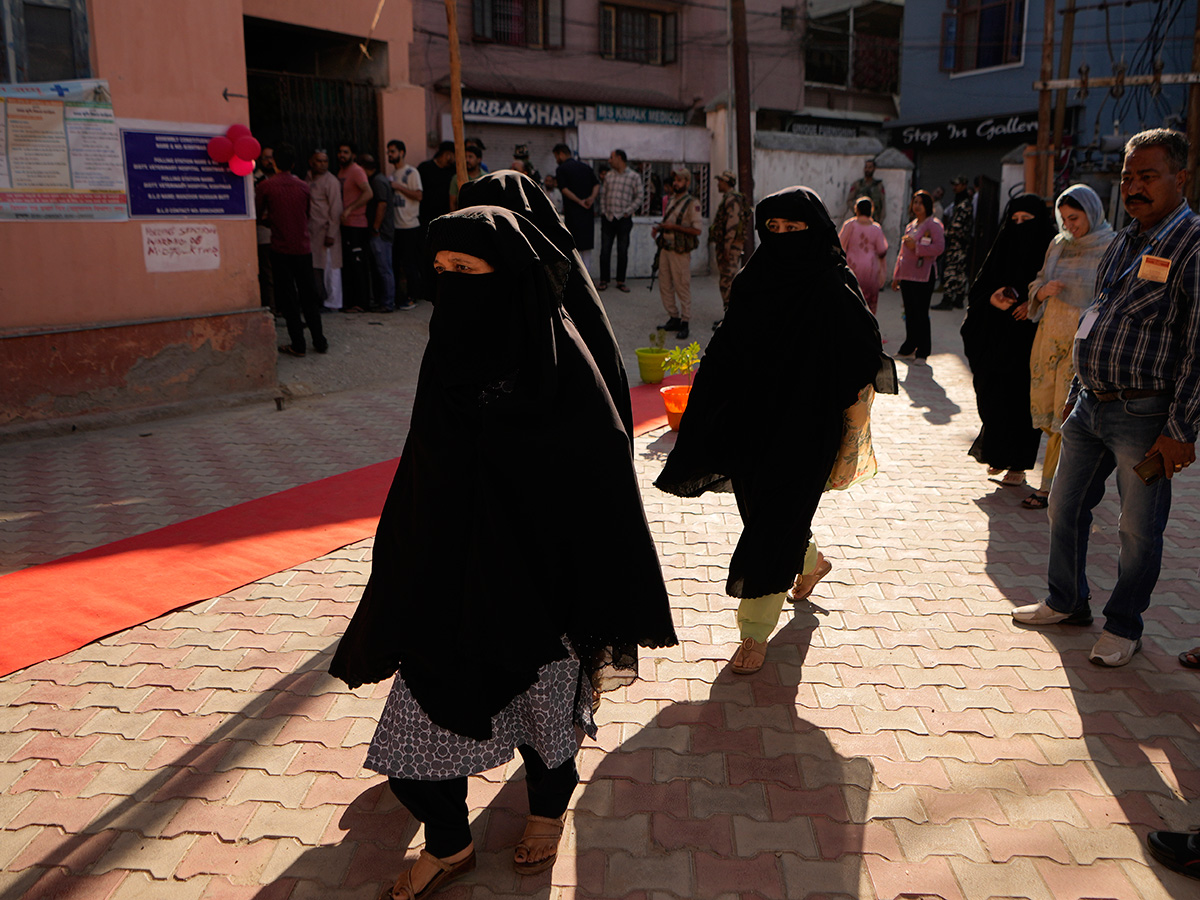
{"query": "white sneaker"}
(1043, 614)
(1114, 651)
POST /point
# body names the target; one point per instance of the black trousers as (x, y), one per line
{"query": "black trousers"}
(619, 229)
(356, 267)
(406, 258)
(441, 806)
(916, 296)
(296, 297)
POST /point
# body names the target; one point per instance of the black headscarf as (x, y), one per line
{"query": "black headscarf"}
(765, 413)
(997, 345)
(516, 191)
(515, 516)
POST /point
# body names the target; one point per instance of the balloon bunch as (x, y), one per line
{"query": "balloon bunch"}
(237, 147)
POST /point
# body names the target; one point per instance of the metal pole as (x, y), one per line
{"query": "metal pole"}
(1043, 164)
(456, 119)
(1064, 71)
(1193, 119)
(742, 106)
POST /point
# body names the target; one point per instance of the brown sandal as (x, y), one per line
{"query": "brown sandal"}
(749, 658)
(804, 584)
(448, 872)
(538, 829)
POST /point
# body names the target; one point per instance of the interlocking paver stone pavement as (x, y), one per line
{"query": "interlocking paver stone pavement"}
(904, 738)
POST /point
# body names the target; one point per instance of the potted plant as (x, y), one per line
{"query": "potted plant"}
(675, 396)
(650, 359)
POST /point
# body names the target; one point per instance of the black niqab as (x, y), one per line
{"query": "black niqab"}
(765, 414)
(515, 516)
(518, 192)
(998, 346)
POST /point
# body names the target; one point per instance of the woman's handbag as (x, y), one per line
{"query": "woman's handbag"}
(856, 457)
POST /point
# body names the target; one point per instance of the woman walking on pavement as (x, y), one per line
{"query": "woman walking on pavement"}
(475, 594)
(1057, 298)
(998, 338)
(922, 244)
(865, 247)
(766, 414)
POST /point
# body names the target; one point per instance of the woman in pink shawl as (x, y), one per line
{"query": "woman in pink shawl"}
(865, 247)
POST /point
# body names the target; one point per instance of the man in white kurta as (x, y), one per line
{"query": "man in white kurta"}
(324, 228)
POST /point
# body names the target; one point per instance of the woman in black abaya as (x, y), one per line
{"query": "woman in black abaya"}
(998, 336)
(766, 413)
(519, 193)
(512, 563)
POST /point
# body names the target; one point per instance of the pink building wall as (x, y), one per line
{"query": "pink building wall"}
(81, 320)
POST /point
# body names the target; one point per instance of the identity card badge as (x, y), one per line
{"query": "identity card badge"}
(1154, 268)
(1085, 325)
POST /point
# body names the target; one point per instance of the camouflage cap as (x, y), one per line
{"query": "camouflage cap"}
(959, 179)
(728, 177)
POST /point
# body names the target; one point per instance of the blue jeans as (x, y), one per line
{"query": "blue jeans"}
(385, 280)
(1098, 437)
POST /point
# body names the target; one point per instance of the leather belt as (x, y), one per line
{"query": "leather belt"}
(1130, 394)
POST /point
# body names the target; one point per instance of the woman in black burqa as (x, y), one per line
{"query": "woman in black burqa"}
(765, 415)
(998, 336)
(518, 192)
(512, 563)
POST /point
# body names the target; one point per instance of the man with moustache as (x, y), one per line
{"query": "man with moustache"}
(1135, 398)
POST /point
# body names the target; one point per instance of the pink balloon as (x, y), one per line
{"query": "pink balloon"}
(239, 166)
(236, 131)
(220, 148)
(247, 147)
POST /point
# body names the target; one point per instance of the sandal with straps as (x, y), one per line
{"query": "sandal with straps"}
(804, 584)
(749, 658)
(447, 872)
(538, 830)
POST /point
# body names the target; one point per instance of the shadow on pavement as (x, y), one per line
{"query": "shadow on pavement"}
(746, 798)
(923, 390)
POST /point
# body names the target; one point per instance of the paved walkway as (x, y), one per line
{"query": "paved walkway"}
(904, 739)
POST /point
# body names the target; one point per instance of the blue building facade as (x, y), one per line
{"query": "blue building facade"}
(966, 83)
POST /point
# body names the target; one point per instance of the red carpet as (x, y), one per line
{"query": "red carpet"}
(57, 607)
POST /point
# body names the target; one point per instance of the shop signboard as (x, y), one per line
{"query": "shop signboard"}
(523, 112)
(171, 175)
(1005, 129)
(639, 115)
(60, 157)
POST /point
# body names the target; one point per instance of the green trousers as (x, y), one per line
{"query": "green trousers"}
(758, 616)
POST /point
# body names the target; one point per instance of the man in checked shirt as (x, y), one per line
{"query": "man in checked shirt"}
(1134, 401)
(620, 199)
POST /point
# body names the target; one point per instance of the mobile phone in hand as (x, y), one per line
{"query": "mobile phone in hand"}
(1151, 469)
(1010, 293)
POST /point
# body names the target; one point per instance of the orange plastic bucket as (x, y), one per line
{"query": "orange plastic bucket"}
(675, 399)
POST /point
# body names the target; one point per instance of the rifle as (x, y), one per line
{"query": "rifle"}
(654, 269)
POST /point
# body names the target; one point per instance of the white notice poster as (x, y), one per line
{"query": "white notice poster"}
(180, 247)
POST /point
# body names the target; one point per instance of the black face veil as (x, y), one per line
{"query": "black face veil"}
(519, 193)
(514, 494)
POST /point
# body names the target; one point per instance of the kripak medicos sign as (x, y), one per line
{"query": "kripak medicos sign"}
(171, 175)
(969, 132)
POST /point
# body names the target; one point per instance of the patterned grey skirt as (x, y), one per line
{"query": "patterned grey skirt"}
(407, 744)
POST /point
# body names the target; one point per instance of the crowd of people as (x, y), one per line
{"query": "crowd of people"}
(475, 607)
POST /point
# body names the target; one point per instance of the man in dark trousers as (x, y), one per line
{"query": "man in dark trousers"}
(579, 186)
(282, 200)
(1134, 405)
(382, 226)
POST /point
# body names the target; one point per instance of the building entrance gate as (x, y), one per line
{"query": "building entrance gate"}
(308, 111)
